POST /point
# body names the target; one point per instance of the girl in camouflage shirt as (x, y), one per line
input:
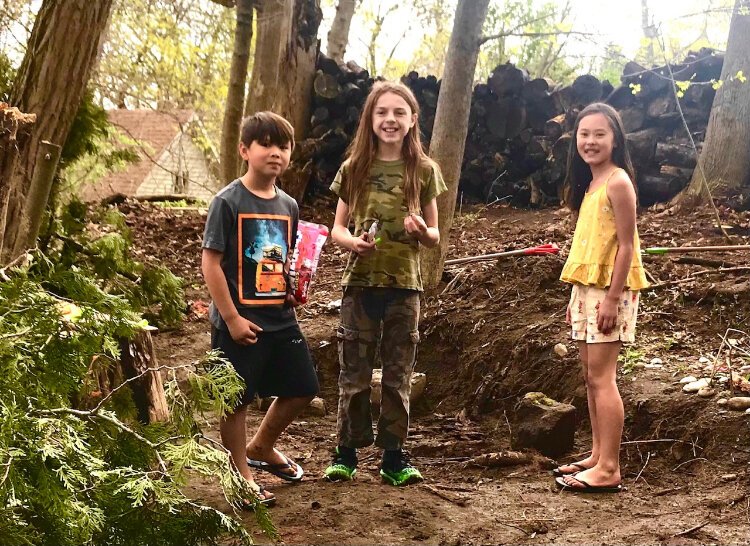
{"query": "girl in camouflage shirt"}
(387, 189)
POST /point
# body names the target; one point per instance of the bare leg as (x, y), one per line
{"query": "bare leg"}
(609, 415)
(592, 459)
(281, 413)
(233, 436)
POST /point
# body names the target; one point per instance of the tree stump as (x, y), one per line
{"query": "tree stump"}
(137, 356)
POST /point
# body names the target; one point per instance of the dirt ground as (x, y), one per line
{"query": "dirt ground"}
(488, 333)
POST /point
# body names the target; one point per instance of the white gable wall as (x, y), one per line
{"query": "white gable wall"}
(181, 156)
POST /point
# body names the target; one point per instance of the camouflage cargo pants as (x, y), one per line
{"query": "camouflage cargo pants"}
(369, 315)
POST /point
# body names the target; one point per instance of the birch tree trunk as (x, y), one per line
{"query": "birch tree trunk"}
(51, 82)
(338, 36)
(725, 158)
(452, 122)
(230, 133)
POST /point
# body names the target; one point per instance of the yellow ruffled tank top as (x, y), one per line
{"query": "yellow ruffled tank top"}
(592, 253)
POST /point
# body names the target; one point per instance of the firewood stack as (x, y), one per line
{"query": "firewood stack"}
(520, 128)
(339, 92)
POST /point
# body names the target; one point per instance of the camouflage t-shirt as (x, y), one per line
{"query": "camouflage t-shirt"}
(395, 263)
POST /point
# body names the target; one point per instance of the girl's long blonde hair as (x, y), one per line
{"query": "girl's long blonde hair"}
(361, 151)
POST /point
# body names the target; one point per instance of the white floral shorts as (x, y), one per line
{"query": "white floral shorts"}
(584, 312)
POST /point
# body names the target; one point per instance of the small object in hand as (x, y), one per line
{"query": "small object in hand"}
(372, 231)
(561, 349)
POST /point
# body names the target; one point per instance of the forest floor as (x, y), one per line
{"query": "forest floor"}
(488, 334)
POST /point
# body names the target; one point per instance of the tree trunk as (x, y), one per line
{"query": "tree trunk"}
(50, 83)
(338, 36)
(14, 135)
(451, 122)
(136, 357)
(230, 133)
(36, 202)
(725, 159)
(293, 98)
(286, 50)
(273, 25)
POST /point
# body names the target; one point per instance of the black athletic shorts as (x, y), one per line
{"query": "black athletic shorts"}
(278, 364)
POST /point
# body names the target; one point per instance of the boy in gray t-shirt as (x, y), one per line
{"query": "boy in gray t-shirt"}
(247, 244)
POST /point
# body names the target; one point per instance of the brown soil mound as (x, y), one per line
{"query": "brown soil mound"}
(489, 330)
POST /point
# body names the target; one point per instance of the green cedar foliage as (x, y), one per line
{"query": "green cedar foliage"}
(97, 242)
(87, 473)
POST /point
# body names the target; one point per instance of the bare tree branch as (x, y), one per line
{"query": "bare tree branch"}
(484, 39)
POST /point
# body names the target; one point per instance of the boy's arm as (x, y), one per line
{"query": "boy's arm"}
(242, 330)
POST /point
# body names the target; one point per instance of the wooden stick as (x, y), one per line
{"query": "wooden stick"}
(460, 501)
(691, 530)
(684, 249)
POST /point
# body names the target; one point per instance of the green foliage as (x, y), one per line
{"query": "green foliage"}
(73, 476)
(6, 77)
(629, 359)
(162, 53)
(180, 203)
(435, 18)
(159, 294)
(89, 125)
(541, 53)
(97, 244)
(610, 66)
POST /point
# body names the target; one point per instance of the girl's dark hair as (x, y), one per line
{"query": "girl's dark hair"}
(266, 128)
(578, 175)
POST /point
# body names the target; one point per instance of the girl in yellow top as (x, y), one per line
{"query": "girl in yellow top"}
(605, 269)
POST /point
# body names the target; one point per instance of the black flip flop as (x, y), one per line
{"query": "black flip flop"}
(559, 473)
(560, 482)
(278, 469)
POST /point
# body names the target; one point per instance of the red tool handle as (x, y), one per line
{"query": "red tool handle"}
(550, 248)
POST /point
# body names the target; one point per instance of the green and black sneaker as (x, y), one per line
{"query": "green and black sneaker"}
(397, 470)
(344, 465)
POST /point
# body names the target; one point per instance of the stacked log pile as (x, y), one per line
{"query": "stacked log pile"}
(520, 128)
(339, 92)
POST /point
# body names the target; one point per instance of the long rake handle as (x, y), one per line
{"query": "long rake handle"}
(685, 249)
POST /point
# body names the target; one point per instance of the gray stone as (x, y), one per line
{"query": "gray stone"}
(544, 424)
(740, 403)
(418, 384)
(317, 407)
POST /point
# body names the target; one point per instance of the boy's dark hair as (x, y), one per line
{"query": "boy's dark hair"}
(578, 175)
(266, 128)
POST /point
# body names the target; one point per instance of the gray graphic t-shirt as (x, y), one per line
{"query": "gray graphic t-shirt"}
(255, 236)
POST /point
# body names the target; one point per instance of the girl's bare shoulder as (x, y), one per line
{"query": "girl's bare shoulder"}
(620, 185)
(620, 180)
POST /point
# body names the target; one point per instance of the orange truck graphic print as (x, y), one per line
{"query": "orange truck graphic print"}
(263, 247)
(269, 274)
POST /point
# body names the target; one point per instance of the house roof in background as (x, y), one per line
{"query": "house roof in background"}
(154, 130)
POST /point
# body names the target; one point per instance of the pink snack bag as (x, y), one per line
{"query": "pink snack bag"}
(310, 240)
